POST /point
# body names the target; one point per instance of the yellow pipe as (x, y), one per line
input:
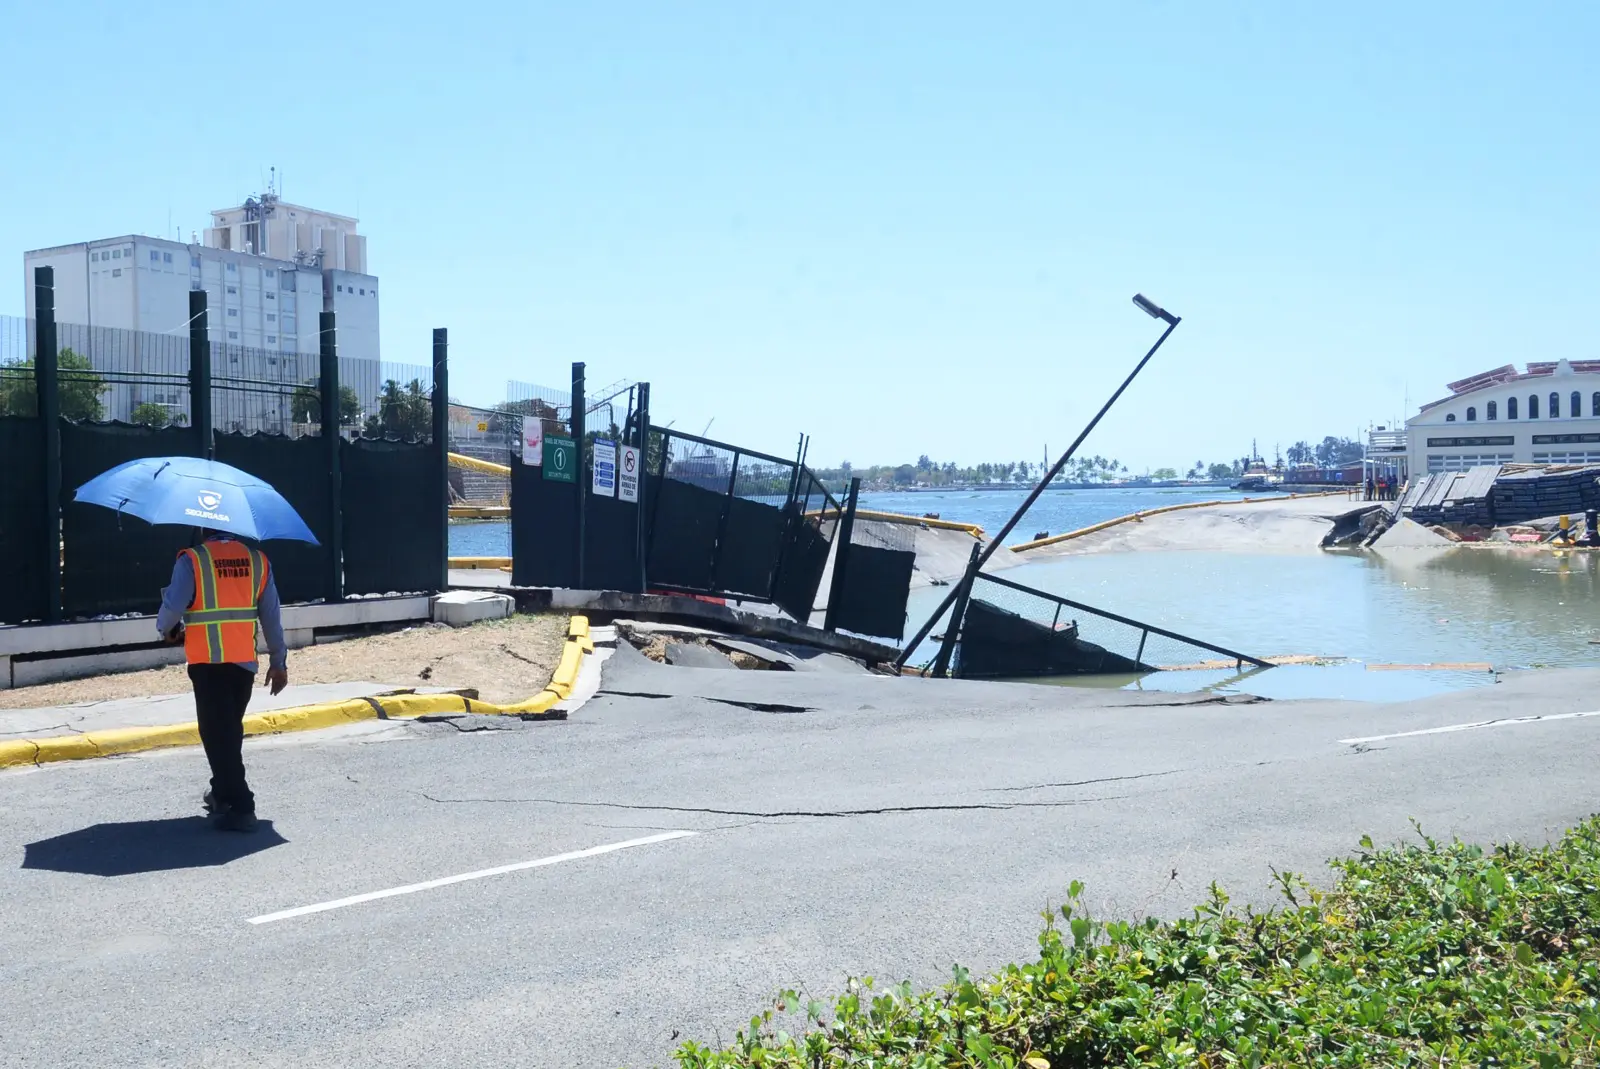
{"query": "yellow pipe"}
(502, 563)
(1139, 516)
(480, 512)
(475, 464)
(925, 521)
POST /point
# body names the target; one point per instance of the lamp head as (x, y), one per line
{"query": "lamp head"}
(1153, 310)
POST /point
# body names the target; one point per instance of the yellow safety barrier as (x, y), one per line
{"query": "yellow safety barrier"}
(917, 521)
(475, 464)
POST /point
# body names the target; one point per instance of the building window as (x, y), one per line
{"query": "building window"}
(1450, 418)
(155, 257)
(233, 312)
(1472, 414)
(94, 257)
(1491, 411)
(271, 273)
(166, 257)
(233, 335)
(116, 254)
(272, 317)
(363, 293)
(1511, 408)
(233, 269)
(1555, 406)
(1533, 406)
(233, 289)
(116, 272)
(1577, 405)
(272, 296)
(339, 288)
(1594, 404)
(272, 339)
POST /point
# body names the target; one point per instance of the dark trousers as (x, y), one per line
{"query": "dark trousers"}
(221, 695)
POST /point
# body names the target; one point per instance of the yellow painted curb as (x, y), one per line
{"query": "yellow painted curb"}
(18, 753)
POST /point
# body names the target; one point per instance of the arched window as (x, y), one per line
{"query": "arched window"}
(1511, 408)
(1492, 411)
(1472, 414)
(1555, 406)
(1533, 406)
(1577, 405)
(1450, 417)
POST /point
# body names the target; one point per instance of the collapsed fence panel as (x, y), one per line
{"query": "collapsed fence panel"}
(297, 469)
(683, 536)
(876, 580)
(24, 594)
(810, 519)
(390, 503)
(1013, 631)
(111, 562)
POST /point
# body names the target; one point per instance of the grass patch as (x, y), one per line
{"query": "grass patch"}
(1435, 954)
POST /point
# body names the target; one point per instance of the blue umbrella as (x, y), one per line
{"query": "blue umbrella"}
(197, 493)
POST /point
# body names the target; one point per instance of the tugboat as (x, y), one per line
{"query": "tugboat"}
(1257, 476)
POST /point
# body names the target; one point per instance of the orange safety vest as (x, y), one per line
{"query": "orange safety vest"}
(220, 626)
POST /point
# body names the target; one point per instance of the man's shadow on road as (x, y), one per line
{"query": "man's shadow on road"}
(147, 846)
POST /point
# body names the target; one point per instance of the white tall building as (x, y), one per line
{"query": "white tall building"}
(262, 308)
(1547, 414)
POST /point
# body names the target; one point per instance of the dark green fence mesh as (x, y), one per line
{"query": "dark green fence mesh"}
(23, 545)
(394, 541)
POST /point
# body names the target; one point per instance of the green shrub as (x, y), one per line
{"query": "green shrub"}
(1426, 955)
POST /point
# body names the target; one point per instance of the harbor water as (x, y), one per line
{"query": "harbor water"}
(1512, 609)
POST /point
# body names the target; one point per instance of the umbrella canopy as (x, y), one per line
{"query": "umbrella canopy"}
(197, 493)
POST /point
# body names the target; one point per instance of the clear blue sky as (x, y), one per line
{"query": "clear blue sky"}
(901, 227)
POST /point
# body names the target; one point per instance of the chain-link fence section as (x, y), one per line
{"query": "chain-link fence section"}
(1013, 631)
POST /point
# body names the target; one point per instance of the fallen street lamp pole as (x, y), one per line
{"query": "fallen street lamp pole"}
(1146, 306)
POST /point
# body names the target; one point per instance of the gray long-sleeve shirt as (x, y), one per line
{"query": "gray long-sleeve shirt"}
(177, 597)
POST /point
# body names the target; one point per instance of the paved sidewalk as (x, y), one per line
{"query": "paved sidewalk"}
(159, 710)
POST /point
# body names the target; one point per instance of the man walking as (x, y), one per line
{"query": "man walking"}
(220, 589)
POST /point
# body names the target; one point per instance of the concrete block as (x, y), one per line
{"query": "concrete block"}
(458, 608)
(5, 673)
(55, 669)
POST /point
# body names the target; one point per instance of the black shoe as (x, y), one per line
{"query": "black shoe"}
(236, 820)
(209, 804)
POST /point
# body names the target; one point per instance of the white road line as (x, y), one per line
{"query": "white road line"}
(1508, 722)
(428, 885)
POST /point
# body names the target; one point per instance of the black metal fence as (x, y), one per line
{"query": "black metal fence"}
(1009, 630)
(872, 566)
(364, 471)
(577, 501)
(731, 522)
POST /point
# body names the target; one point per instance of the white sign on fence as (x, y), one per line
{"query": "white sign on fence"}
(533, 441)
(628, 474)
(605, 468)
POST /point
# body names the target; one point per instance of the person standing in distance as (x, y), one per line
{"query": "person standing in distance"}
(220, 590)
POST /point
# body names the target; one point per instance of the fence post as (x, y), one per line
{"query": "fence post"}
(441, 442)
(958, 615)
(200, 373)
(841, 553)
(47, 390)
(332, 443)
(644, 482)
(578, 421)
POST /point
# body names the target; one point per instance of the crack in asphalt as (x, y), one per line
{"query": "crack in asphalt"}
(770, 814)
(1087, 782)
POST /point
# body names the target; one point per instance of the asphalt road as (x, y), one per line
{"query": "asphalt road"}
(849, 825)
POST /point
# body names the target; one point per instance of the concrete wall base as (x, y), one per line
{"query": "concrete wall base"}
(46, 653)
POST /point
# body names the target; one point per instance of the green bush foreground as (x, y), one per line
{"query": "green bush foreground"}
(1435, 954)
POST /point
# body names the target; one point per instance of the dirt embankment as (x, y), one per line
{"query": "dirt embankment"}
(1267, 525)
(505, 660)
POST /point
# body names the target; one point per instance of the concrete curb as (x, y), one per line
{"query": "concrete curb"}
(18, 753)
